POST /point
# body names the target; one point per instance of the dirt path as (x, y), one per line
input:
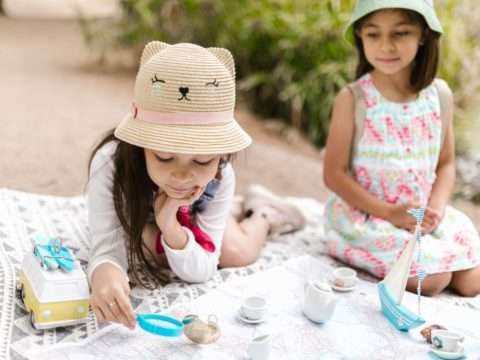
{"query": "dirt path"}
(56, 105)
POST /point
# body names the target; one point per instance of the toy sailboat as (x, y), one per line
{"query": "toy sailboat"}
(392, 287)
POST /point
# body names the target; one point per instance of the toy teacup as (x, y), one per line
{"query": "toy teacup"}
(447, 340)
(254, 307)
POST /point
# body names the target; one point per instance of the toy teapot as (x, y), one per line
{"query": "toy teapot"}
(319, 301)
(201, 332)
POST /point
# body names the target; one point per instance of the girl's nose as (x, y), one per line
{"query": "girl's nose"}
(386, 44)
(182, 175)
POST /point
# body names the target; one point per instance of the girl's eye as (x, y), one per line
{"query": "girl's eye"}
(164, 160)
(372, 35)
(203, 163)
(157, 80)
(402, 33)
(213, 83)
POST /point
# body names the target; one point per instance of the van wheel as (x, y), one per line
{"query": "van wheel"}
(32, 320)
(19, 292)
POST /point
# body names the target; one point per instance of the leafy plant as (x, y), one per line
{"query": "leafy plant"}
(290, 55)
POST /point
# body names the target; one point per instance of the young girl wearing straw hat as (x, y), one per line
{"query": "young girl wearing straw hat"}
(161, 186)
(391, 147)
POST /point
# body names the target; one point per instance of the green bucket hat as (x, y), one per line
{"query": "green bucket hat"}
(365, 7)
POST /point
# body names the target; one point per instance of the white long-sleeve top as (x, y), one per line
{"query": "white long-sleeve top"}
(191, 264)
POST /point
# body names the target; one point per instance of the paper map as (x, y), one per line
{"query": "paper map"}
(357, 329)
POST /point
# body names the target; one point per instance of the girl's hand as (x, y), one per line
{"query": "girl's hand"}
(109, 299)
(166, 208)
(399, 216)
(431, 220)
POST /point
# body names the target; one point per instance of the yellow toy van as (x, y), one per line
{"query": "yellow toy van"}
(53, 297)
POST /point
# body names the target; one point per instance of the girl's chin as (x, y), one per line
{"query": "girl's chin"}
(178, 195)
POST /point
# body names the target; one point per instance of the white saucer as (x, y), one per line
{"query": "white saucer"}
(341, 288)
(250, 321)
(448, 354)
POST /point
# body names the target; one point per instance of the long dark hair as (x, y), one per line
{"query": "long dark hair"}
(133, 200)
(427, 58)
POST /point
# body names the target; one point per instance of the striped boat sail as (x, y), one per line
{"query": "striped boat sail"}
(418, 214)
(392, 288)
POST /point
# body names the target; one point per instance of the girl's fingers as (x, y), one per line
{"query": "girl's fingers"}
(410, 227)
(98, 313)
(193, 196)
(126, 310)
(412, 224)
(199, 192)
(160, 198)
(115, 309)
(436, 217)
(96, 309)
(426, 230)
(196, 194)
(118, 309)
(159, 202)
(428, 221)
(108, 309)
(121, 317)
(433, 215)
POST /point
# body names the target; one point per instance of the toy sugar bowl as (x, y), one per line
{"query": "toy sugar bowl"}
(199, 331)
(319, 302)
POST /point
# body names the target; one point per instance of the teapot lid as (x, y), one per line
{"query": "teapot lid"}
(322, 286)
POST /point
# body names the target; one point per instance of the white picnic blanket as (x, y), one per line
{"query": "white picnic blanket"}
(357, 329)
(24, 215)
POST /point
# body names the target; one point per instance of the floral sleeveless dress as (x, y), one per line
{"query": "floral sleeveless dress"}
(395, 160)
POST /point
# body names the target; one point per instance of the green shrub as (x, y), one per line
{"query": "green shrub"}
(291, 59)
(459, 66)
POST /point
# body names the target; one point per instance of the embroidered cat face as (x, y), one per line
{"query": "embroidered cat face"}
(185, 78)
(183, 90)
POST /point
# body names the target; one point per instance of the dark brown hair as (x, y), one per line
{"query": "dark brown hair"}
(427, 58)
(133, 200)
(133, 197)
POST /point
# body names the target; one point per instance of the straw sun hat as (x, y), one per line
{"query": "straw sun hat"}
(365, 7)
(184, 100)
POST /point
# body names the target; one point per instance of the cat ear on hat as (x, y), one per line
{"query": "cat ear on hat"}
(225, 58)
(152, 48)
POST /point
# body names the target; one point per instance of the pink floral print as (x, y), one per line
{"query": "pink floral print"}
(396, 162)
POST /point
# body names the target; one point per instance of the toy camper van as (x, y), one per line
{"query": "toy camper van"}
(53, 287)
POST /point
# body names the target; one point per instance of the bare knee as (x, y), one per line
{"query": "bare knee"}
(432, 285)
(433, 288)
(471, 290)
(467, 282)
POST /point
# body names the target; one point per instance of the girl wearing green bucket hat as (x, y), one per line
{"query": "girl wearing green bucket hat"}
(391, 148)
(161, 187)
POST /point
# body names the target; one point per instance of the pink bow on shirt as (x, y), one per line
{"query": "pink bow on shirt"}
(184, 217)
